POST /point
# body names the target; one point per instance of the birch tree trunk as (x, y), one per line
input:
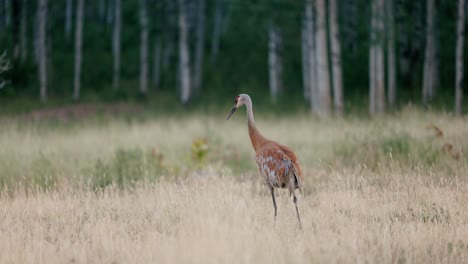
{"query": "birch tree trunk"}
(68, 19)
(430, 55)
(376, 59)
(42, 23)
(157, 60)
(391, 66)
(217, 28)
(78, 49)
(372, 49)
(274, 62)
(24, 30)
(116, 45)
(323, 73)
(305, 62)
(200, 45)
(459, 58)
(336, 58)
(311, 59)
(184, 55)
(379, 58)
(143, 48)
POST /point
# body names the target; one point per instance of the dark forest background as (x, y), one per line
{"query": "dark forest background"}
(331, 57)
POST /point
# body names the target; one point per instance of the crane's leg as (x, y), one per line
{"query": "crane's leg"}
(297, 211)
(272, 190)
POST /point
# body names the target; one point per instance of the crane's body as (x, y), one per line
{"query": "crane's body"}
(276, 163)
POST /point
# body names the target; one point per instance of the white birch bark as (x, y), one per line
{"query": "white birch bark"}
(372, 49)
(379, 58)
(274, 62)
(323, 72)
(305, 62)
(42, 52)
(429, 55)
(200, 45)
(459, 58)
(116, 45)
(68, 18)
(143, 48)
(184, 55)
(391, 64)
(376, 59)
(311, 56)
(78, 49)
(336, 58)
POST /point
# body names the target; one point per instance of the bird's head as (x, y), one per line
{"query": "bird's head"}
(241, 99)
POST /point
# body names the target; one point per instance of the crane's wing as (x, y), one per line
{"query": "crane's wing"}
(278, 169)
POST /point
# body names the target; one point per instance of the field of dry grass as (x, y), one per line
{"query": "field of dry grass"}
(118, 191)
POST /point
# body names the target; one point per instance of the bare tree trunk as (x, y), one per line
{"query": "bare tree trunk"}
(305, 62)
(78, 49)
(184, 55)
(200, 45)
(336, 58)
(391, 66)
(311, 59)
(68, 19)
(430, 54)
(218, 23)
(116, 45)
(42, 19)
(35, 36)
(274, 62)
(379, 58)
(24, 29)
(143, 48)
(376, 59)
(372, 49)
(157, 59)
(459, 58)
(323, 72)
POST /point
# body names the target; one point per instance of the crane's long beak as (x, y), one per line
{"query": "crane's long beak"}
(232, 112)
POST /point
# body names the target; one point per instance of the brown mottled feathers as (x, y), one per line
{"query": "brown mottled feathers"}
(278, 166)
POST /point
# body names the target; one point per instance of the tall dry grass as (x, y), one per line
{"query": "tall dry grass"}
(376, 191)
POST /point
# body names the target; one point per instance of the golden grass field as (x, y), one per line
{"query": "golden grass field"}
(384, 190)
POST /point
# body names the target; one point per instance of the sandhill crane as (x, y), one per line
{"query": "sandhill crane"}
(276, 163)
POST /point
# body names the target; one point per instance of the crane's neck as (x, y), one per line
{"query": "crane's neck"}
(256, 137)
